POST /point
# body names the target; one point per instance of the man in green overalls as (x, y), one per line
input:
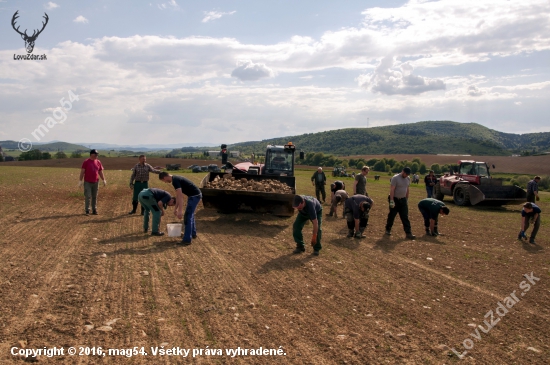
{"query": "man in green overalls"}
(154, 200)
(140, 180)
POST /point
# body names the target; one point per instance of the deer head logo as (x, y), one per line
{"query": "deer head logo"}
(29, 40)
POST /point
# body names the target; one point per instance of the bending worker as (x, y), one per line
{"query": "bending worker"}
(184, 186)
(357, 214)
(339, 197)
(155, 201)
(308, 208)
(431, 209)
(530, 212)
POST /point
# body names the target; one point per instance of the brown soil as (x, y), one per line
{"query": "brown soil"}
(532, 165)
(373, 301)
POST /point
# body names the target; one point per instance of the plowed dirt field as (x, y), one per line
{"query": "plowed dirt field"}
(68, 280)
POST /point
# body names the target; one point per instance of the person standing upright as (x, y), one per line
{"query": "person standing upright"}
(430, 180)
(319, 180)
(360, 184)
(194, 196)
(399, 195)
(533, 190)
(140, 180)
(91, 171)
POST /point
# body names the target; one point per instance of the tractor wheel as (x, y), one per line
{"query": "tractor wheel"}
(461, 196)
(437, 192)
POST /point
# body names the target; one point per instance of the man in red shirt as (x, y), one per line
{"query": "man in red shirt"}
(91, 170)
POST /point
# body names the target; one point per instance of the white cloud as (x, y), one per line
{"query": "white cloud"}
(171, 4)
(213, 15)
(50, 5)
(184, 85)
(390, 80)
(473, 90)
(250, 71)
(80, 19)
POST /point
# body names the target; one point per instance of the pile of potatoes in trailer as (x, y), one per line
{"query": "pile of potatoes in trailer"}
(230, 183)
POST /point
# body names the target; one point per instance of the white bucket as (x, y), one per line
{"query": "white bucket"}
(174, 229)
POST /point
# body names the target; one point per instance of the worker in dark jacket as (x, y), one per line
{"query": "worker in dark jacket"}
(431, 209)
(530, 212)
(319, 180)
(430, 180)
(533, 189)
(335, 186)
(356, 210)
(308, 208)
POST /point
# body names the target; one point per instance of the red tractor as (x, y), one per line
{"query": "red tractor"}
(470, 183)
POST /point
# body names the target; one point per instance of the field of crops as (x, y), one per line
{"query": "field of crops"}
(99, 281)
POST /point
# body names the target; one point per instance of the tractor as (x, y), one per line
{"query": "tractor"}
(470, 183)
(279, 166)
(339, 171)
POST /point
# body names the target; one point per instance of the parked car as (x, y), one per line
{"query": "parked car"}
(213, 168)
(204, 168)
(196, 169)
(192, 166)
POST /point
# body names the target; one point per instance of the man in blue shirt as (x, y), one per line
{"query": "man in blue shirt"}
(530, 212)
(194, 196)
(308, 208)
(154, 200)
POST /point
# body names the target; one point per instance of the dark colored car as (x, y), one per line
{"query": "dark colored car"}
(213, 168)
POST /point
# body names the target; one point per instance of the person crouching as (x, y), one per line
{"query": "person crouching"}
(155, 201)
(356, 211)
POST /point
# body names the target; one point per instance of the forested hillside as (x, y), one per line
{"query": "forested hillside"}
(434, 137)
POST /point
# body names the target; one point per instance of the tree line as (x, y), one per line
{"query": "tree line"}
(383, 164)
(36, 154)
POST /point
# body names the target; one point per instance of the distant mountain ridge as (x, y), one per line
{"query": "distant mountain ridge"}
(46, 147)
(429, 137)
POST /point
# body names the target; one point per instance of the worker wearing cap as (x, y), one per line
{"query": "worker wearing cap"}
(319, 180)
(398, 199)
(155, 201)
(91, 171)
(308, 208)
(430, 209)
(530, 212)
(140, 180)
(356, 211)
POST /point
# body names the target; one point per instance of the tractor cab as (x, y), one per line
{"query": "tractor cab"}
(279, 160)
(474, 172)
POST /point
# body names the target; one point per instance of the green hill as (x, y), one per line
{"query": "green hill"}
(433, 137)
(48, 147)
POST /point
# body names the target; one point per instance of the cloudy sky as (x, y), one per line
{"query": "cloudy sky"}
(228, 71)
